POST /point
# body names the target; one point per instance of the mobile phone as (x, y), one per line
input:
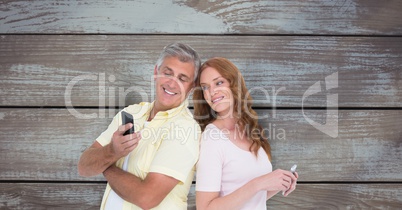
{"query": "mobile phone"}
(127, 118)
(293, 169)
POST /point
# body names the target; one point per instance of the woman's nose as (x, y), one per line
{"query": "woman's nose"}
(212, 91)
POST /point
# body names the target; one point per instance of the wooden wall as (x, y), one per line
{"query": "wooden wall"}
(66, 67)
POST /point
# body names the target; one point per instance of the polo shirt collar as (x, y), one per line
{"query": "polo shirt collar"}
(170, 112)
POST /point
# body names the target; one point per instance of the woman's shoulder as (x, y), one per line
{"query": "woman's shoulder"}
(213, 135)
(211, 129)
(210, 126)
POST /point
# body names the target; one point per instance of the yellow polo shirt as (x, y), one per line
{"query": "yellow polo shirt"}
(169, 146)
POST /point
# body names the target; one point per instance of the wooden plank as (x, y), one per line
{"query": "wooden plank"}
(45, 144)
(306, 196)
(194, 17)
(367, 148)
(340, 196)
(51, 195)
(357, 145)
(117, 70)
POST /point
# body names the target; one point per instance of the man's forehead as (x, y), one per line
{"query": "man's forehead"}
(178, 67)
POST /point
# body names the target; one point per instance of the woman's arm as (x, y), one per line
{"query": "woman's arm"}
(211, 200)
(270, 194)
(274, 182)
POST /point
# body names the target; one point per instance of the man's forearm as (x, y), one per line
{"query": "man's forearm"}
(95, 160)
(126, 185)
(147, 193)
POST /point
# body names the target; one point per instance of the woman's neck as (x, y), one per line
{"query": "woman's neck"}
(227, 122)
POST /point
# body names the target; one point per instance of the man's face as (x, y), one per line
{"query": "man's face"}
(174, 80)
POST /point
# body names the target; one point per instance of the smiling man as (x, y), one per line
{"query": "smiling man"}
(154, 167)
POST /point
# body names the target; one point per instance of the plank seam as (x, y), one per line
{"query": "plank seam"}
(104, 182)
(205, 34)
(255, 108)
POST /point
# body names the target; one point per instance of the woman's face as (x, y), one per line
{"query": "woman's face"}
(216, 90)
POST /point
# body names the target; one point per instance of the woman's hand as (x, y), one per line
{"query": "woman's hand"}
(292, 186)
(278, 180)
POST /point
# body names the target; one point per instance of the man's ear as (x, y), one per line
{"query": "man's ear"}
(192, 89)
(155, 71)
(190, 92)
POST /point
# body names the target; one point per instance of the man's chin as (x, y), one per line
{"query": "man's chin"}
(172, 103)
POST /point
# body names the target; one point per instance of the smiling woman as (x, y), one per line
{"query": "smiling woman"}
(217, 91)
(234, 168)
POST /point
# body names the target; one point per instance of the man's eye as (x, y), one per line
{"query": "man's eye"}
(168, 74)
(182, 79)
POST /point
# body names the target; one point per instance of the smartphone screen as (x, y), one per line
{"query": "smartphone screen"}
(127, 118)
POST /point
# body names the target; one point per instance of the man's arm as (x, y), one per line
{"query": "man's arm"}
(147, 193)
(89, 164)
(97, 158)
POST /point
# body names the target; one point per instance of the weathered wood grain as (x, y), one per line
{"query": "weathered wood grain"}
(355, 44)
(51, 195)
(306, 196)
(45, 144)
(340, 196)
(357, 145)
(349, 17)
(117, 70)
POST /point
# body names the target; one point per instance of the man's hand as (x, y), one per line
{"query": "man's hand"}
(123, 145)
(97, 158)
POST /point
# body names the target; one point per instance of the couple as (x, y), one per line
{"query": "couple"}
(155, 166)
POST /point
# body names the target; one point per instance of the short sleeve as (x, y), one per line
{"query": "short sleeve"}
(136, 110)
(178, 153)
(106, 136)
(209, 166)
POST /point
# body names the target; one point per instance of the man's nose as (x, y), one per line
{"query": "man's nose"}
(171, 82)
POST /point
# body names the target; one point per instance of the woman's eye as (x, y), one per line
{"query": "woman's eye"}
(219, 83)
(204, 87)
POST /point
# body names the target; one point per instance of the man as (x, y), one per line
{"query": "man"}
(154, 167)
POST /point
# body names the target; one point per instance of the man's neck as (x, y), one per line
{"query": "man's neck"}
(152, 114)
(155, 109)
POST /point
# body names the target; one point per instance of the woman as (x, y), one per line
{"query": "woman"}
(234, 169)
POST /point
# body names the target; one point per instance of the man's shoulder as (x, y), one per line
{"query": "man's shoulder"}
(138, 109)
(185, 117)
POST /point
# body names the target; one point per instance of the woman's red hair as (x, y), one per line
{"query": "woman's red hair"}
(242, 104)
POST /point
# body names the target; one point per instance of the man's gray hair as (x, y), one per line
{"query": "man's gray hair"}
(183, 52)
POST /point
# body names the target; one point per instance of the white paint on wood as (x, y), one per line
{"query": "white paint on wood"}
(106, 16)
(368, 67)
(189, 17)
(366, 148)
